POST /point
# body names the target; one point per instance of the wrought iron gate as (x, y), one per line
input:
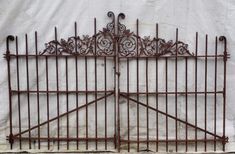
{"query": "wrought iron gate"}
(118, 90)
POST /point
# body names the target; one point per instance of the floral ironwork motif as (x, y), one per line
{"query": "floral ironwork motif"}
(158, 47)
(128, 44)
(83, 44)
(103, 41)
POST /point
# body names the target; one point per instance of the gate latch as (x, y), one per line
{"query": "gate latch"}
(117, 73)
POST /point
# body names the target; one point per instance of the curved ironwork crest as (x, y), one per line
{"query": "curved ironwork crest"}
(105, 42)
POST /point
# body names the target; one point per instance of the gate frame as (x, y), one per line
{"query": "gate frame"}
(115, 34)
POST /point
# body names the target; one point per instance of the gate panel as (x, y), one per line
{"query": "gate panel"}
(118, 90)
(162, 98)
(75, 78)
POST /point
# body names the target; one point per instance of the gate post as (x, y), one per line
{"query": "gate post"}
(223, 38)
(7, 56)
(119, 29)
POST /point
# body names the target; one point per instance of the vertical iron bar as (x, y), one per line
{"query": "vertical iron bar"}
(215, 89)
(157, 87)
(115, 90)
(95, 86)
(147, 102)
(166, 104)
(115, 103)
(86, 83)
(128, 106)
(105, 100)
(122, 16)
(38, 106)
(137, 48)
(186, 100)
(57, 89)
(28, 96)
(76, 71)
(118, 98)
(196, 50)
(9, 38)
(206, 93)
(223, 38)
(48, 106)
(117, 143)
(18, 88)
(176, 100)
(67, 100)
(116, 49)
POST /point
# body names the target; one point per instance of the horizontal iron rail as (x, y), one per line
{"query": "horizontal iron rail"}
(113, 138)
(172, 140)
(163, 56)
(60, 91)
(103, 91)
(69, 139)
(59, 56)
(172, 92)
(179, 56)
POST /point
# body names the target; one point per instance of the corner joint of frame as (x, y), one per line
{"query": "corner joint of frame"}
(226, 56)
(224, 139)
(7, 55)
(9, 38)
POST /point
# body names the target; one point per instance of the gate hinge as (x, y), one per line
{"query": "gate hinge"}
(7, 55)
(11, 139)
(223, 92)
(224, 139)
(226, 56)
(115, 140)
(118, 73)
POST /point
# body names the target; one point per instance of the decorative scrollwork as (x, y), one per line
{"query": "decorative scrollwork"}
(148, 47)
(121, 27)
(104, 43)
(86, 45)
(127, 46)
(172, 48)
(74, 45)
(132, 45)
(110, 27)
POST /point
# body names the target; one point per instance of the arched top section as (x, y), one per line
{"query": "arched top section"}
(116, 37)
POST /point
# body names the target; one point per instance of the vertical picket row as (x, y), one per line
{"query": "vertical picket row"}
(148, 62)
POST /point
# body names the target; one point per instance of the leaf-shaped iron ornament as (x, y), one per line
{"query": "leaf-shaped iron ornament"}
(107, 41)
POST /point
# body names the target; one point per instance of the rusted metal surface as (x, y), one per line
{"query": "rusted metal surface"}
(129, 53)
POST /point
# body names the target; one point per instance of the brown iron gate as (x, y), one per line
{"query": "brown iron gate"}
(116, 89)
